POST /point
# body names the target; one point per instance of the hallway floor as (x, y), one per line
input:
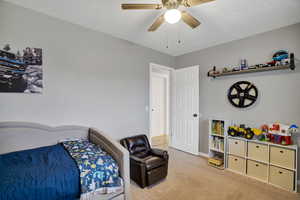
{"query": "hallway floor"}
(190, 178)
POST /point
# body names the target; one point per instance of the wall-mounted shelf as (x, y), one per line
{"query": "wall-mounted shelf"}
(291, 66)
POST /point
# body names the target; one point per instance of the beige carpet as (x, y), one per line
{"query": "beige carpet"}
(190, 178)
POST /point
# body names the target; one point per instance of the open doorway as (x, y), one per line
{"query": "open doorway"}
(159, 105)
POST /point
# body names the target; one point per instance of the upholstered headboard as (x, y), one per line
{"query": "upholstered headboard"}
(16, 136)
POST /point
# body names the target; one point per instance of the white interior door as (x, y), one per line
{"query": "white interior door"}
(158, 122)
(185, 110)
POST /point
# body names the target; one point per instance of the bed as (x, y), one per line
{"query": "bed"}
(22, 137)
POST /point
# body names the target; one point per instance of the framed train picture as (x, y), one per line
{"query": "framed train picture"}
(21, 70)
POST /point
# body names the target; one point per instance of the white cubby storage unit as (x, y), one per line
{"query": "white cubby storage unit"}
(217, 140)
(267, 162)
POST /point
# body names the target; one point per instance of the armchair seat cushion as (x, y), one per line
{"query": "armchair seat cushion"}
(142, 154)
(153, 162)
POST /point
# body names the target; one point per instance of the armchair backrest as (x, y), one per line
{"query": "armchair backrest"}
(136, 144)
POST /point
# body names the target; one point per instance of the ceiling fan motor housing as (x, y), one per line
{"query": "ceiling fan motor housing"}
(171, 4)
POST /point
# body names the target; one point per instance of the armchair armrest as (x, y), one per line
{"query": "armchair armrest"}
(161, 153)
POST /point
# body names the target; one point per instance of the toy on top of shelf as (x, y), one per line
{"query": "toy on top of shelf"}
(224, 70)
(213, 72)
(293, 129)
(240, 131)
(279, 129)
(263, 65)
(238, 68)
(249, 133)
(281, 133)
(280, 55)
(253, 67)
(285, 61)
(274, 128)
(279, 58)
(258, 134)
(265, 128)
(257, 131)
(271, 63)
(244, 64)
(232, 131)
(265, 136)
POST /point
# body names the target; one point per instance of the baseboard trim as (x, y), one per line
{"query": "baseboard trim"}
(205, 155)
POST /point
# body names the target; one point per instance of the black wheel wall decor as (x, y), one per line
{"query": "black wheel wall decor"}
(242, 94)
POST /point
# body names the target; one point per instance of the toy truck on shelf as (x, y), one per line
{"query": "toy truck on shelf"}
(241, 131)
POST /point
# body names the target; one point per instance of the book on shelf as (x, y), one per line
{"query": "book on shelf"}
(217, 127)
(216, 143)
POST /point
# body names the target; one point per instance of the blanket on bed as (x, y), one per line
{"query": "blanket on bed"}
(46, 173)
(98, 170)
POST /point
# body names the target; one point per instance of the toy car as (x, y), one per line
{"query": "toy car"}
(280, 55)
(253, 67)
(272, 63)
(236, 69)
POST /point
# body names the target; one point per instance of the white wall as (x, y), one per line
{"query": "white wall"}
(279, 92)
(90, 78)
(96, 80)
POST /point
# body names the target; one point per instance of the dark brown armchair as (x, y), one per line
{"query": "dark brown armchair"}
(147, 165)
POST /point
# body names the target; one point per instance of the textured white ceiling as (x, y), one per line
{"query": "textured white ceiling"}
(222, 20)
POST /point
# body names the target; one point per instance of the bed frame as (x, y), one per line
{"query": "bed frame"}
(16, 136)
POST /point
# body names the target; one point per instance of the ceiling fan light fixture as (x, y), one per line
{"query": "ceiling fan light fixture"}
(172, 16)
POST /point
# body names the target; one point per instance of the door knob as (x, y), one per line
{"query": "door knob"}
(195, 115)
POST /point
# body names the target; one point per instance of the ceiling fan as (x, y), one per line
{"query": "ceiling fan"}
(172, 15)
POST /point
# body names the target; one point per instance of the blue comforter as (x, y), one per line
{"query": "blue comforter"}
(47, 173)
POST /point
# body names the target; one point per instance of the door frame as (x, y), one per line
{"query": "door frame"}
(168, 96)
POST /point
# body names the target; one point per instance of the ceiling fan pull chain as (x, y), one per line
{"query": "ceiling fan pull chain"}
(167, 40)
(179, 34)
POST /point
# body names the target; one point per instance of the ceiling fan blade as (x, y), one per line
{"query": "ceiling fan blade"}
(189, 19)
(159, 21)
(190, 3)
(141, 6)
